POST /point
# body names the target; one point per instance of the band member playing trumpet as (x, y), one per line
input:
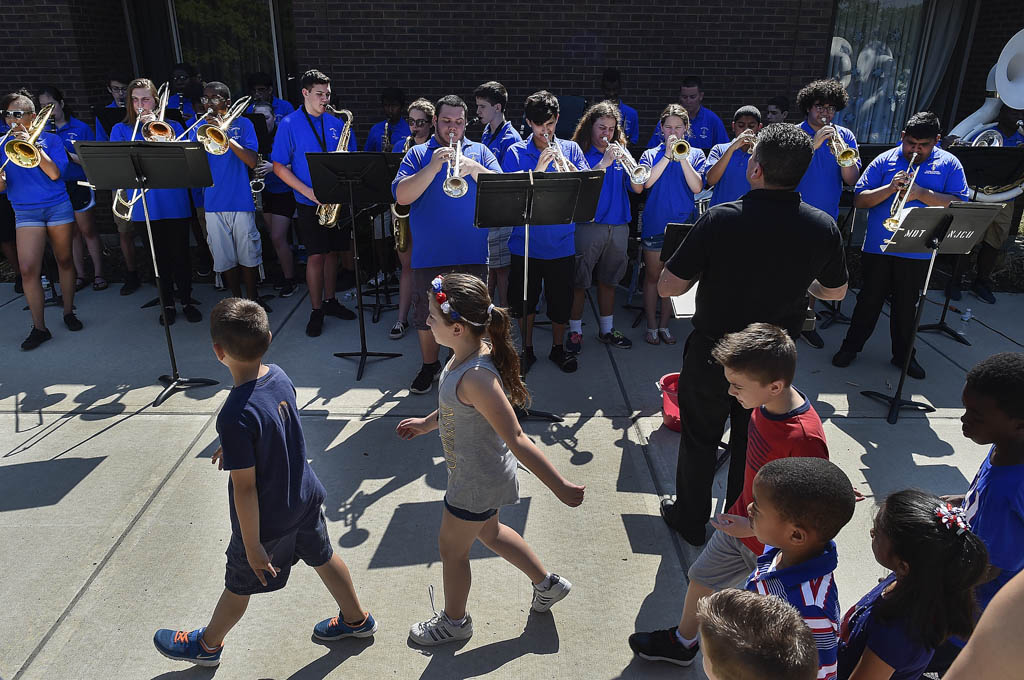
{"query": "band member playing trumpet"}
(940, 180)
(552, 247)
(169, 209)
(441, 210)
(231, 229)
(603, 242)
(676, 175)
(8, 238)
(726, 168)
(312, 129)
(42, 209)
(387, 135)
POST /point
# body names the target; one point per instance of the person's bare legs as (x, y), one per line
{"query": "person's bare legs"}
(652, 272)
(557, 334)
(335, 575)
(31, 244)
(128, 250)
(405, 283)
(605, 300)
(579, 298)
(330, 275)
(501, 284)
(78, 254)
(526, 328)
(513, 548)
(455, 540)
(226, 614)
(315, 278)
(86, 223)
(233, 281)
(688, 620)
(428, 346)
(10, 251)
(279, 237)
(60, 241)
(251, 276)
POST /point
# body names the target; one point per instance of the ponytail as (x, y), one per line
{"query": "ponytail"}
(503, 353)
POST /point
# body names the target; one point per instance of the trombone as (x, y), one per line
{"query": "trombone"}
(677, 149)
(638, 174)
(892, 223)
(327, 213)
(560, 162)
(216, 138)
(454, 186)
(845, 156)
(23, 152)
(155, 129)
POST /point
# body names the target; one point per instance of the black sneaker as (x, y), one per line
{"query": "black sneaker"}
(574, 343)
(334, 308)
(170, 313)
(72, 322)
(662, 645)
(262, 303)
(696, 536)
(615, 339)
(315, 325)
(564, 360)
(397, 331)
(526, 360)
(287, 289)
(192, 315)
(35, 338)
(131, 283)
(982, 291)
(914, 370)
(424, 380)
(813, 339)
(843, 358)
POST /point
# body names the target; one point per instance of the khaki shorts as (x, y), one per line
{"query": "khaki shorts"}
(997, 232)
(124, 226)
(234, 240)
(724, 563)
(602, 246)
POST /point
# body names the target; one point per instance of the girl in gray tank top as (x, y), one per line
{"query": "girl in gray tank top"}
(482, 444)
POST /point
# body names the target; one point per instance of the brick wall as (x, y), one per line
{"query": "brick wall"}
(771, 49)
(998, 21)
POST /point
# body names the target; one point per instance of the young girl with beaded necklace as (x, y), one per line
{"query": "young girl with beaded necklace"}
(482, 444)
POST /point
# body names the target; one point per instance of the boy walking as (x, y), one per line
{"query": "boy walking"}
(274, 495)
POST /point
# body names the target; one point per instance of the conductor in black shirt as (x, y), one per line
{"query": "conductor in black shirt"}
(756, 258)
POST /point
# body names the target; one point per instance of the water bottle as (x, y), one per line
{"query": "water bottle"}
(48, 294)
(965, 319)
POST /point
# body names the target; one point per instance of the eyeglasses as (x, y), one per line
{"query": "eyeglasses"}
(417, 122)
(122, 90)
(824, 108)
(16, 115)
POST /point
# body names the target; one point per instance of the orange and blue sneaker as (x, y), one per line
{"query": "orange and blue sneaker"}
(335, 628)
(183, 645)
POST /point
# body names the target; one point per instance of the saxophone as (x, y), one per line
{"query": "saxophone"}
(400, 215)
(327, 214)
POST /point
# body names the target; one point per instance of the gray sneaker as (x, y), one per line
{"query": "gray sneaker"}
(439, 629)
(544, 599)
(615, 339)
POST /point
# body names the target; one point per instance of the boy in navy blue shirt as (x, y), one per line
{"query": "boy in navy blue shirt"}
(726, 169)
(274, 496)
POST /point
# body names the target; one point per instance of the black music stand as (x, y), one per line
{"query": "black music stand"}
(145, 166)
(335, 177)
(941, 324)
(393, 161)
(522, 198)
(954, 231)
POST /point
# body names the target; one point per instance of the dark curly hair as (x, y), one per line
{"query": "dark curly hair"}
(812, 493)
(1001, 377)
(829, 92)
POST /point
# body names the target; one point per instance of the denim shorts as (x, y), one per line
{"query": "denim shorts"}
(466, 515)
(50, 216)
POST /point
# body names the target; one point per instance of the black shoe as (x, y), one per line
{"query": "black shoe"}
(334, 308)
(813, 339)
(914, 370)
(615, 339)
(18, 287)
(315, 325)
(843, 358)
(662, 645)
(192, 315)
(953, 291)
(131, 283)
(264, 305)
(696, 536)
(287, 289)
(423, 381)
(983, 292)
(564, 360)
(35, 338)
(170, 313)
(526, 361)
(72, 322)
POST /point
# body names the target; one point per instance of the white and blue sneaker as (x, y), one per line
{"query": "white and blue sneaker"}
(439, 629)
(556, 588)
(183, 645)
(335, 628)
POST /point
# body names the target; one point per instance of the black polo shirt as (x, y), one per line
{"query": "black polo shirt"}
(756, 258)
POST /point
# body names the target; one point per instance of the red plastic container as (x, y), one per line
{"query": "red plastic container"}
(669, 387)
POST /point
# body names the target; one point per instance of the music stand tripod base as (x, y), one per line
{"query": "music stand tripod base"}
(896, 403)
(174, 383)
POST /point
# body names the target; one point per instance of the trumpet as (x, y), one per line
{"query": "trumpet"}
(845, 156)
(216, 139)
(155, 129)
(327, 213)
(677, 149)
(638, 174)
(24, 152)
(560, 162)
(400, 215)
(752, 136)
(892, 223)
(454, 185)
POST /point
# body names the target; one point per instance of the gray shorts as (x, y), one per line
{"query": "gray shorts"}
(498, 254)
(724, 563)
(602, 246)
(233, 239)
(421, 279)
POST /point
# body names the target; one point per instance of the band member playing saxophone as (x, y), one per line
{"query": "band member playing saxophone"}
(387, 135)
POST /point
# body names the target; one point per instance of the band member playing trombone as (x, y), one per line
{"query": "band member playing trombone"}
(231, 146)
(552, 247)
(676, 175)
(938, 179)
(169, 209)
(313, 128)
(437, 180)
(726, 169)
(31, 163)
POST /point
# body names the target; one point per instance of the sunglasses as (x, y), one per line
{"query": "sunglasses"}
(17, 115)
(417, 122)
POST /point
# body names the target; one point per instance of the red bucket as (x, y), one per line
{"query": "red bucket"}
(669, 387)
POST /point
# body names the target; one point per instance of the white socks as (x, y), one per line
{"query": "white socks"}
(606, 324)
(576, 326)
(686, 642)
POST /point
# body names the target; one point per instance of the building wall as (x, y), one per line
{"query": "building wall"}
(773, 48)
(998, 21)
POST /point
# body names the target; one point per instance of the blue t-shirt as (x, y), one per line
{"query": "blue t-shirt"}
(259, 427)
(822, 184)
(230, 191)
(670, 199)
(441, 226)
(295, 137)
(630, 123)
(163, 203)
(187, 111)
(941, 172)
(1016, 139)
(547, 241)
(706, 130)
(613, 204)
(73, 130)
(810, 588)
(733, 184)
(397, 132)
(280, 107)
(29, 188)
(891, 641)
(500, 141)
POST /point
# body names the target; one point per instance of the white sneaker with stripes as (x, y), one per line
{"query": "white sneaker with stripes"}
(544, 599)
(439, 629)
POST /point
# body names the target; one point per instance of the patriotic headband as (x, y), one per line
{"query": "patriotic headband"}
(446, 305)
(952, 518)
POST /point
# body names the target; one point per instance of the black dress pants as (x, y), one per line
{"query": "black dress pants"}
(704, 406)
(170, 241)
(884, 274)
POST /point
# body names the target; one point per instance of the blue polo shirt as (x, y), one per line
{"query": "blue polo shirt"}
(280, 107)
(547, 241)
(186, 106)
(670, 199)
(1016, 139)
(29, 188)
(295, 138)
(630, 123)
(706, 130)
(733, 183)
(822, 184)
(163, 204)
(442, 226)
(397, 132)
(230, 191)
(500, 141)
(942, 172)
(613, 204)
(71, 131)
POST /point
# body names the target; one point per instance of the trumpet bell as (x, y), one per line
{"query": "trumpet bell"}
(22, 153)
(455, 187)
(640, 174)
(680, 149)
(848, 157)
(891, 224)
(213, 139)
